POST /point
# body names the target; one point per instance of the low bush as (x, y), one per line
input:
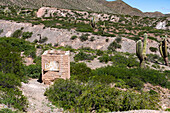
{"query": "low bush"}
(152, 58)
(122, 60)
(26, 35)
(84, 37)
(139, 76)
(12, 73)
(83, 56)
(92, 39)
(118, 39)
(35, 41)
(80, 71)
(13, 98)
(78, 97)
(152, 38)
(73, 37)
(107, 40)
(153, 49)
(64, 93)
(44, 39)
(1, 31)
(33, 71)
(9, 80)
(104, 58)
(20, 45)
(113, 46)
(99, 52)
(10, 60)
(6, 110)
(17, 33)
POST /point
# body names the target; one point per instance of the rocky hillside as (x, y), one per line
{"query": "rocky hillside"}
(64, 27)
(63, 37)
(118, 6)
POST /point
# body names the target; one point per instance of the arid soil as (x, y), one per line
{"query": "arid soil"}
(38, 103)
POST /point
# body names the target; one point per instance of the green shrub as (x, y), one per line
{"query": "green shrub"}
(99, 52)
(113, 46)
(120, 83)
(152, 58)
(134, 82)
(152, 92)
(152, 38)
(33, 71)
(153, 49)
(9, 80)
(26, 35)
(1, 31)
(92, 39)
(64, 92)
(104, 58)
(122, 60)
(83, 56)
(17, 33)
(168, 109)
(84, 37)
(80, 71)
(6, 110)
(139, 75)
(12, 72)
(44, 39)
(35, 41)
(10, 60)
(107, 40)
(20, 45)
(13, 98)
(118, 39)
(107, 34)
(30, 52)
(73, 37)
(104, 79)
(79, 97)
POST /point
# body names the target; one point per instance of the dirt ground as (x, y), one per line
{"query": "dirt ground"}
(38, 103)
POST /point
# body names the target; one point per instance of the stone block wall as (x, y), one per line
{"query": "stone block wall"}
(55, 64)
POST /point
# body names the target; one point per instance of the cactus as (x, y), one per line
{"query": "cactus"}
(163, 50)
(103, 28)
(75, 20)
(141, 51)
(93, 22)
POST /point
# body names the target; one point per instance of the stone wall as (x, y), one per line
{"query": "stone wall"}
(55, 64)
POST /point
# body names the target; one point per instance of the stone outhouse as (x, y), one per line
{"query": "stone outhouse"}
(55, 64)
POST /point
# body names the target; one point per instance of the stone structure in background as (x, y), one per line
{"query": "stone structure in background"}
(55, 64)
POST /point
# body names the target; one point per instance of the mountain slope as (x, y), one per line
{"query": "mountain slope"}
(90, 5)
(117, 6)
(121, 7)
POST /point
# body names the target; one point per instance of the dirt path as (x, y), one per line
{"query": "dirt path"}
(38, 103)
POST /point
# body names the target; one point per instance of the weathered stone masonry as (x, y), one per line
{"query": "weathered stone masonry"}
(55, 64)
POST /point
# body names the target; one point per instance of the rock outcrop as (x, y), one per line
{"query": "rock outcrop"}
(161, 25)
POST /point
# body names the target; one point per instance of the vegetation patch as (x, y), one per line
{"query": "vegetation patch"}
(78, 97)
(83, 56)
